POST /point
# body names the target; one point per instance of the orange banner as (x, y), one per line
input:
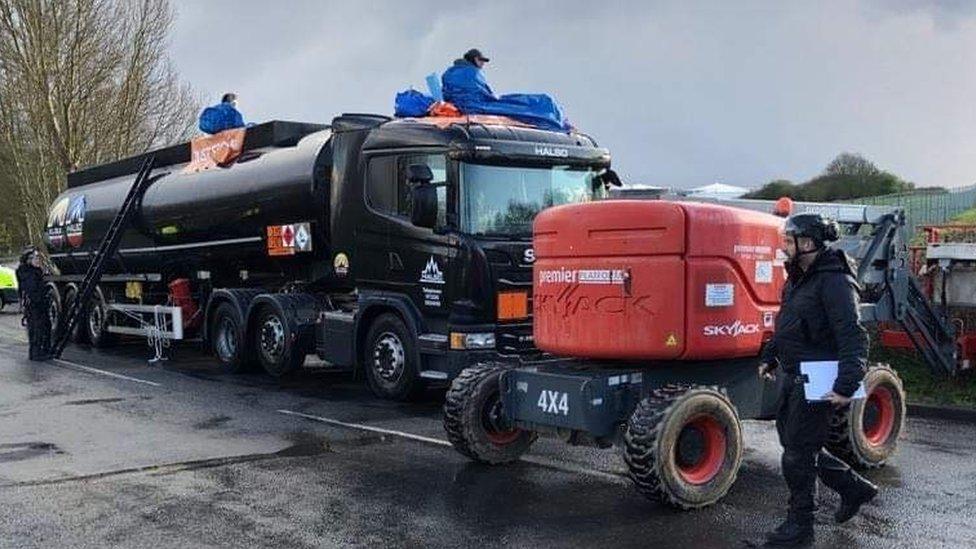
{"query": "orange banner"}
(215, 150)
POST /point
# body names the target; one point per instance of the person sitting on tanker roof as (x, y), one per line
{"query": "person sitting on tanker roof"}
(222, 116)
(464, 83)
(465, 87)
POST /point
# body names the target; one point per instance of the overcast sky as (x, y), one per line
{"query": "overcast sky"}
(683, 93)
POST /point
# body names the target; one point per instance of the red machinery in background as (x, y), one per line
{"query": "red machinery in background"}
(945, 265)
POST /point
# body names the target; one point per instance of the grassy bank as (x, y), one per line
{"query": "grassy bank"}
(923, 386)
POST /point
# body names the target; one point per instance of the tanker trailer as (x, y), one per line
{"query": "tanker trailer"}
(399, 249)
(661, 310)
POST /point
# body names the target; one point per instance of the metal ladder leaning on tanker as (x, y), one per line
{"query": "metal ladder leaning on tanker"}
(106, 249)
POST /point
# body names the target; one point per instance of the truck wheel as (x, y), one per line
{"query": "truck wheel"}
(683, 446)
(475, 422)
(390, 360)
(97, 322)
(79, 334)
(865, 434)
(278, 355)
(227, 340)
(54, 310)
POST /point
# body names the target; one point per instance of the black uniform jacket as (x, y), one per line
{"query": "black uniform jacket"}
(819, 320)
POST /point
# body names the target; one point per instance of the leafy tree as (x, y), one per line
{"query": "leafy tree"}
(847, 176)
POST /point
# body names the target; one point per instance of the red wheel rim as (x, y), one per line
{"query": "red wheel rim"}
(491, 421)
(882, 402)
(706, 465)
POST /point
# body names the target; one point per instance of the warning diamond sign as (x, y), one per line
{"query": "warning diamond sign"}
(288, 239)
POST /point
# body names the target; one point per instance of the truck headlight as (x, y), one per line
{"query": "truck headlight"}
(481, 340)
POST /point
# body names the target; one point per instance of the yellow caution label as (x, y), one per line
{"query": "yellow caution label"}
(671, 341)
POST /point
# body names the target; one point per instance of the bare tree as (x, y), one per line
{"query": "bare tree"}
(83, 82)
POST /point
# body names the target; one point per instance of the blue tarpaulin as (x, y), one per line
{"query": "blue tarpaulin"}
(412, 103)
(220, 117)
(465, 86)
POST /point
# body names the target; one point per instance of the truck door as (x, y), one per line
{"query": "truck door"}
(420, 259)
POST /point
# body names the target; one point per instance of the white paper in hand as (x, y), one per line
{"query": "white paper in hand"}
(820, 379)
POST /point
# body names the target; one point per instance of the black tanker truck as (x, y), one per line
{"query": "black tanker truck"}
(399, 248)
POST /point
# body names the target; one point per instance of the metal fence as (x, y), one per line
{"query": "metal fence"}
(925, 207)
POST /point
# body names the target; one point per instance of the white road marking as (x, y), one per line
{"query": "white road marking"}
(368, 428)
(75, 366)
(535, 460)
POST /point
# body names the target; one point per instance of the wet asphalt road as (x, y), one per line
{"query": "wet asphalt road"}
(183, 456)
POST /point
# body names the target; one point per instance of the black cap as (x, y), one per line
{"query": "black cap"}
(475, 53)
(228, 97)
(814, 226)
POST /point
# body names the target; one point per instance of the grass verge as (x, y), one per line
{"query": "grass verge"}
(924, 387)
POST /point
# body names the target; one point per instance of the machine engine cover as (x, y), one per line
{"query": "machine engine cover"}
(639, 279)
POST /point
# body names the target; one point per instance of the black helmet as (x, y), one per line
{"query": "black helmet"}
(814, 226)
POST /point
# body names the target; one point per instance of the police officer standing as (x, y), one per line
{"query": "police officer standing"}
(34, 303)
(818, 321)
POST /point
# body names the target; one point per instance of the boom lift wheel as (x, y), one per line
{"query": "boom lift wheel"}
(474, 419)
(683, 446)
(865, 434)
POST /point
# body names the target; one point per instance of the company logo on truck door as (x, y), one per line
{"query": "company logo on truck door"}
(432, 273)
(736, 329)
(557, 152)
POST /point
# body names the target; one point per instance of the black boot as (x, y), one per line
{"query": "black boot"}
(791, 533)
(851, 503)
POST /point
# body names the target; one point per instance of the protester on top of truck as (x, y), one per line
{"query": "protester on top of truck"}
(465, 87)
(222, 116)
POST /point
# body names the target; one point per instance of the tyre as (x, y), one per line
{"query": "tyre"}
(865, 434)
(227, 339)
(97, 322)
(277, 353)
(390, 360)
(683, 446)
(475, 422)
(79, 334)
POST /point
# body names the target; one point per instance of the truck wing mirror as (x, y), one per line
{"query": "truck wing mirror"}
(424, 212)
(419, 173)
(610, 178)
(423, 195)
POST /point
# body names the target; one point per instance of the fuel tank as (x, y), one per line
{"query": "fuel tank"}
(641, 279)
(208, 219)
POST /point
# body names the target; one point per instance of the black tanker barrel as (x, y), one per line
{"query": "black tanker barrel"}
(216, 217)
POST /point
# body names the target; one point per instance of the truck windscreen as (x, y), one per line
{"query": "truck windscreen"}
(503, 200)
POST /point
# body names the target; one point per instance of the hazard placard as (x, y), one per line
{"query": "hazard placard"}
(281, 240)
(289, 239)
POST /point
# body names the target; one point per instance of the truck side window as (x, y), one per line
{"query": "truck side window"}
(381, 184)
(438, 165)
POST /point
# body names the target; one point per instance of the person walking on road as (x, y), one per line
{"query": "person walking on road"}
(34, 304)
(818, 321)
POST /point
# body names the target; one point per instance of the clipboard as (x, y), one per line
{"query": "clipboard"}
(819, 380)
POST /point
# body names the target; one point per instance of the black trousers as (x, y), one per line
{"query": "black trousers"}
(803, 428)
(38, 332)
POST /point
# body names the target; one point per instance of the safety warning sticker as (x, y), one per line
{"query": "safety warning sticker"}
(719, 295)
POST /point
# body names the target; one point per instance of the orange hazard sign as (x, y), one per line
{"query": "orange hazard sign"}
(278, 242)
(289, 239)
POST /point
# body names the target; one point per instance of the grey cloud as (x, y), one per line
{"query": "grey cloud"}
(737, 92)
